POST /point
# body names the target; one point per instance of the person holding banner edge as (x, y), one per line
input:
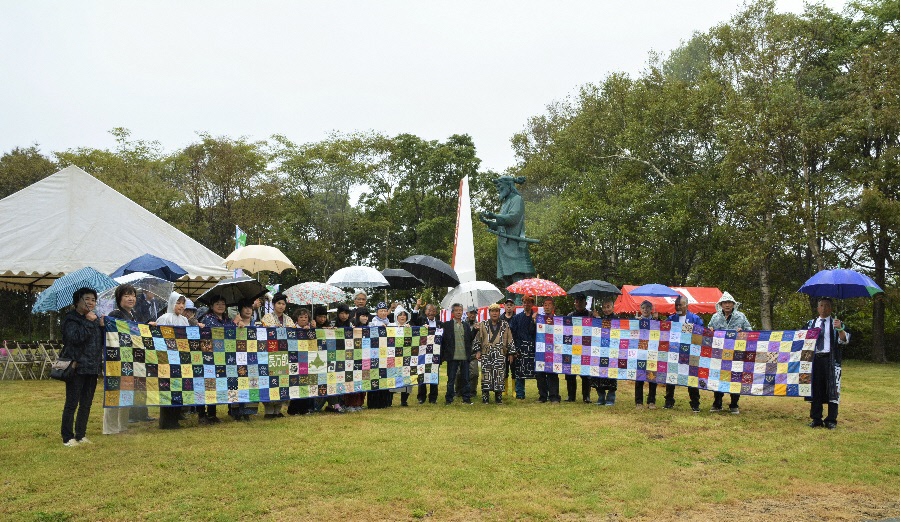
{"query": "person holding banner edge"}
(727, 318)
(827, 365)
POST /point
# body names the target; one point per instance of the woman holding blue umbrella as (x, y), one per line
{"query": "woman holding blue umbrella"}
(83, 343)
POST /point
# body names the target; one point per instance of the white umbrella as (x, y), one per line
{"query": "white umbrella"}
(472, 293)
(358, 277)
(255, 258)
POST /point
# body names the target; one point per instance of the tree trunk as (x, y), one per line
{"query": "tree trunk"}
(877, 350)
(766, 320)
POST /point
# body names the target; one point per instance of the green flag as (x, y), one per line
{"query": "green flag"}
(240, 237)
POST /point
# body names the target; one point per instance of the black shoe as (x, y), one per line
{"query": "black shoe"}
(404, 404)
(213, 420)
(467, 401)
(586, 401)
(555, 401)
(269, 416)
(420, 401)
(668, 405)
(448, 403)
(280, 415)
(816, 424)
(570, 400)
(434, 401)
(830, 425)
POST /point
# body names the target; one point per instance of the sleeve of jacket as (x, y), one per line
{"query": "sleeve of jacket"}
(76, 332)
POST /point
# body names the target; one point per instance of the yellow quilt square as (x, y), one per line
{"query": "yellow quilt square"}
(144, 329)
(782, 368)
(243, 383)
(113, 368)
(655, 335)
(780, 389)
(111, 398)
(577, 349)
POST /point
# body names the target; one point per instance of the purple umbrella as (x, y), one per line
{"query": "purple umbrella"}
(654, 290)
(840, 284)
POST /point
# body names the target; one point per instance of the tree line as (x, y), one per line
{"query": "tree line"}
(752, 156)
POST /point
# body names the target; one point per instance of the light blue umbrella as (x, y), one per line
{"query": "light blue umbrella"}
(59, 295)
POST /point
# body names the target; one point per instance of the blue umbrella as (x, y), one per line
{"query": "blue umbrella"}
(840, 284)
(150, 264)
(59, 295)
(654, 290)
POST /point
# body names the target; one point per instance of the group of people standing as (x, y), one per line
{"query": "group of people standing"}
(502, 344)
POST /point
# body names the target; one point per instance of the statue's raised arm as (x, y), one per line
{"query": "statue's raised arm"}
(513, 260)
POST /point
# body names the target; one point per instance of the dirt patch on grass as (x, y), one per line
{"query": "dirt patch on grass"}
(850, 505)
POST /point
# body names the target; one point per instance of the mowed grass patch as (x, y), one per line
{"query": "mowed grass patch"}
(518, 461)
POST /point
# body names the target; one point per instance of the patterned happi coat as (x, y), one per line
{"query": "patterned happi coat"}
(494, 343)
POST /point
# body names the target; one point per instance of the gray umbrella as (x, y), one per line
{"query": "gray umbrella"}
(431, 271)
(400, 279)
(234, 291)
(594, 288)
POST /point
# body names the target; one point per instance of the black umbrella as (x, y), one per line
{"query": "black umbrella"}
(594, 288)
(400, 279)
(431, 271)
(234, 290)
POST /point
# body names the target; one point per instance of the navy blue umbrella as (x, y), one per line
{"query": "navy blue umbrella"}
(150, 264)
(654, 290)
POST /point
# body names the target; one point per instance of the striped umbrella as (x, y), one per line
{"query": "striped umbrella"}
(313, 293)
(536, 286)
(59, 294)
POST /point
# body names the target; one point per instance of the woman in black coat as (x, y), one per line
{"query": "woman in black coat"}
(83, 343)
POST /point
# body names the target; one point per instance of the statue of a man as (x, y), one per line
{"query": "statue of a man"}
(513, 260)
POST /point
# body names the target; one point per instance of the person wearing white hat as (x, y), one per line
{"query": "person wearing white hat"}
(727, 318)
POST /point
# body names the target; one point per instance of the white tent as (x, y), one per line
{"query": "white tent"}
(71, 220)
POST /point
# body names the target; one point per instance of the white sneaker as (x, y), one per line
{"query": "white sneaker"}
(84, 440)
(71, 444)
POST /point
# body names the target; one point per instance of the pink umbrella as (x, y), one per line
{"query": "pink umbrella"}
(311, 293)
(536, 286)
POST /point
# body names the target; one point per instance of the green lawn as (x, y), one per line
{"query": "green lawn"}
(518, 461)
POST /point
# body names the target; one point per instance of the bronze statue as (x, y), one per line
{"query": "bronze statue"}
(513, 260)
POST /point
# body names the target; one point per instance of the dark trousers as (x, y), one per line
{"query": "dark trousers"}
(301, 406)
(571, 387)
(548, 386)
(718, 399)
(432, 394)
(639, 392)
(819, 392)
(79, 395)
(453, 368)
(169, 417)
(205, 411)
(694, 396)
(138, 413)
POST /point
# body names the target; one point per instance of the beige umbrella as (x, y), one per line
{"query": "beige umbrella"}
(257, 258)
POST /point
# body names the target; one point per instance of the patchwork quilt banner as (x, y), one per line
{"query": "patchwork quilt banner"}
(772, 363)
(184, 366)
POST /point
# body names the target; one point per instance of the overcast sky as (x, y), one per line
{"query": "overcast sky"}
(71, 71)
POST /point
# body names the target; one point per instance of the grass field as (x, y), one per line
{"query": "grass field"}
(518, 461)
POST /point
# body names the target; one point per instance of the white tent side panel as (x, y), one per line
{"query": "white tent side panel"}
(70, 220)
